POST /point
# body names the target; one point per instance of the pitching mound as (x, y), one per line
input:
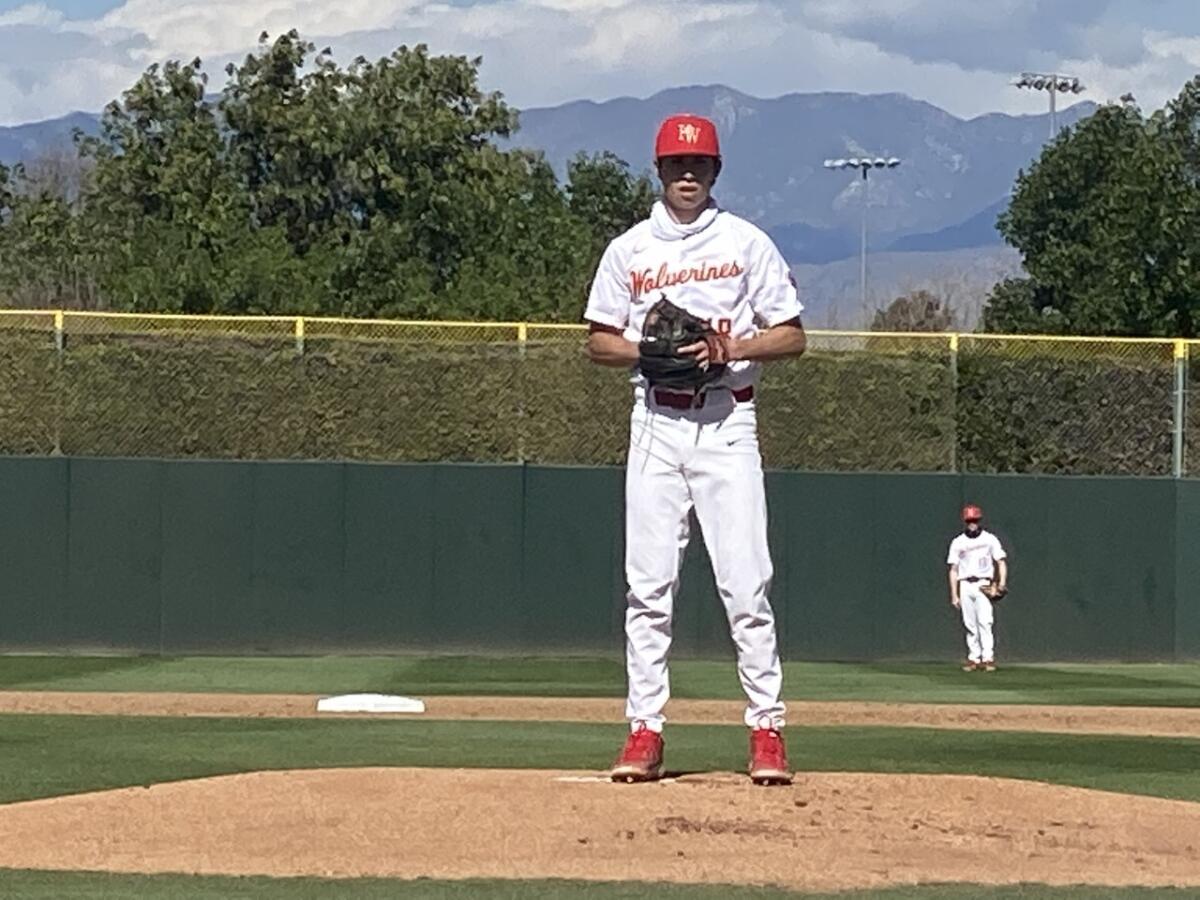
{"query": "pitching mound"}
(827, 832)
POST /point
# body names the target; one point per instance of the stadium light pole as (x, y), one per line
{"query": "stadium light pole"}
(1054, 84)
(865, 165)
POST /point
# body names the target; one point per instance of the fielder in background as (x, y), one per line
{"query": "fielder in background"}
(978, 580)
(693, 300)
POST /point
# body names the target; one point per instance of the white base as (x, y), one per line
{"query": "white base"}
(370, 703)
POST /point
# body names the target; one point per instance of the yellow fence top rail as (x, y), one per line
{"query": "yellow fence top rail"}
(60, 316)
(172, 317)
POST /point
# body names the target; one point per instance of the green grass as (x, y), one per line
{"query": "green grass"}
(88, 886)
(42, 756)
(1108, 685)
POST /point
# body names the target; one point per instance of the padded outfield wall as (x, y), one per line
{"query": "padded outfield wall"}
(253, 557)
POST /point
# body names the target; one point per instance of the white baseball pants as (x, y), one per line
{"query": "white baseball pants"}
(705, 459)
(977, 617)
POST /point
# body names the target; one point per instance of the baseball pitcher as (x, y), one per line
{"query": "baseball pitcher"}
(693, 300)
(978, 579)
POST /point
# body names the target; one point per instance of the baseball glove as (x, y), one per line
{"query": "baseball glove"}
(667, 329)
(994, 592)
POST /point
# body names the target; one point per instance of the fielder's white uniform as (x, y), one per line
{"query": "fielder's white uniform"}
(974, 559)
(703, 457)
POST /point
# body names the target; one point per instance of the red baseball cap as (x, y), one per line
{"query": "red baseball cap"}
(972, 513)
(687, 135)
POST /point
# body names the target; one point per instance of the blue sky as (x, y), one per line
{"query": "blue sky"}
(73, 8)
(1170, 14)
(1176, 15)
(60, 55)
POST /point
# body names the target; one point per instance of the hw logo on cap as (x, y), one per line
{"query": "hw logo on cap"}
(687, 135)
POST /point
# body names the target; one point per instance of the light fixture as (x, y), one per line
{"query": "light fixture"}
(1053, 83)
(864, 164)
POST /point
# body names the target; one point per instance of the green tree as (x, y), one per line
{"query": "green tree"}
(607, 197)
(45, 256)
(173, 221)
(1105, 221)
(304, 187)
(1014, 307)
(547, 239)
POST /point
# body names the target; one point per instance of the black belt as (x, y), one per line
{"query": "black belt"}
(689, 400)
(973, 580)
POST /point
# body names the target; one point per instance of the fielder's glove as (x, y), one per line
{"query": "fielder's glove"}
(667, 329)
(995, 593)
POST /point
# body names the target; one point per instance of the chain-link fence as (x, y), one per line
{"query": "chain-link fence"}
(99, 384)
(1067, 406)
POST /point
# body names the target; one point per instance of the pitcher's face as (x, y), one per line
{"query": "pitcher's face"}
(687, 181)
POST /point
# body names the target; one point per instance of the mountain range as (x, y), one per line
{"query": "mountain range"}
(955, 174)
(942, 201)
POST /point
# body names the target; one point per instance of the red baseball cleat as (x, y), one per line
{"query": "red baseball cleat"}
(768, 757)
(642, 757)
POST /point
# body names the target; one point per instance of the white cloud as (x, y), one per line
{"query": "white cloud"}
(1166, 45)
(957, 55)
(999, 34)
(220, 27)
(31, 14)
(659, 35)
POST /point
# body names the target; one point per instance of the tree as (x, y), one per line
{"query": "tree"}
(916, 311)
(1014, 307)
(304, 187)
(1106, 224)
(61, 172)
(170, 221)
(45, 258)
(605, 195)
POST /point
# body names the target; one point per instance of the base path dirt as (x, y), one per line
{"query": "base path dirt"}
(1137, 721)
(827, 832)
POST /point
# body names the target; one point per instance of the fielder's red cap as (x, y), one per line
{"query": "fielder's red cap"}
(687, 135)
(972, 513)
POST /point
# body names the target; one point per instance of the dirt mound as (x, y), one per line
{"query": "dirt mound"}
(1139, 721)
(827, 832)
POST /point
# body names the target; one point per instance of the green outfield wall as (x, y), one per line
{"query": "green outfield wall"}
(252, 557)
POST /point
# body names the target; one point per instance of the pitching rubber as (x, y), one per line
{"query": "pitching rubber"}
(633, 776)
(771, 779)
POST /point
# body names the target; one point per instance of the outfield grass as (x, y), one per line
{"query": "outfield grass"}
(1106, 685)
(88, 886)
(42, 756)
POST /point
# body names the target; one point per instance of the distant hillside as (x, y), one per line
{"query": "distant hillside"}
(962, 278)
(977, 231)
(802, 243)
(954, 169)
(21, 143)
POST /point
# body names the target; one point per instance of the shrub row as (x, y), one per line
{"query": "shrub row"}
(858, 410)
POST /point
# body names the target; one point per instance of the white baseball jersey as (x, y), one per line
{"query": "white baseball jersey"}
(974, 557)
(720, 267)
